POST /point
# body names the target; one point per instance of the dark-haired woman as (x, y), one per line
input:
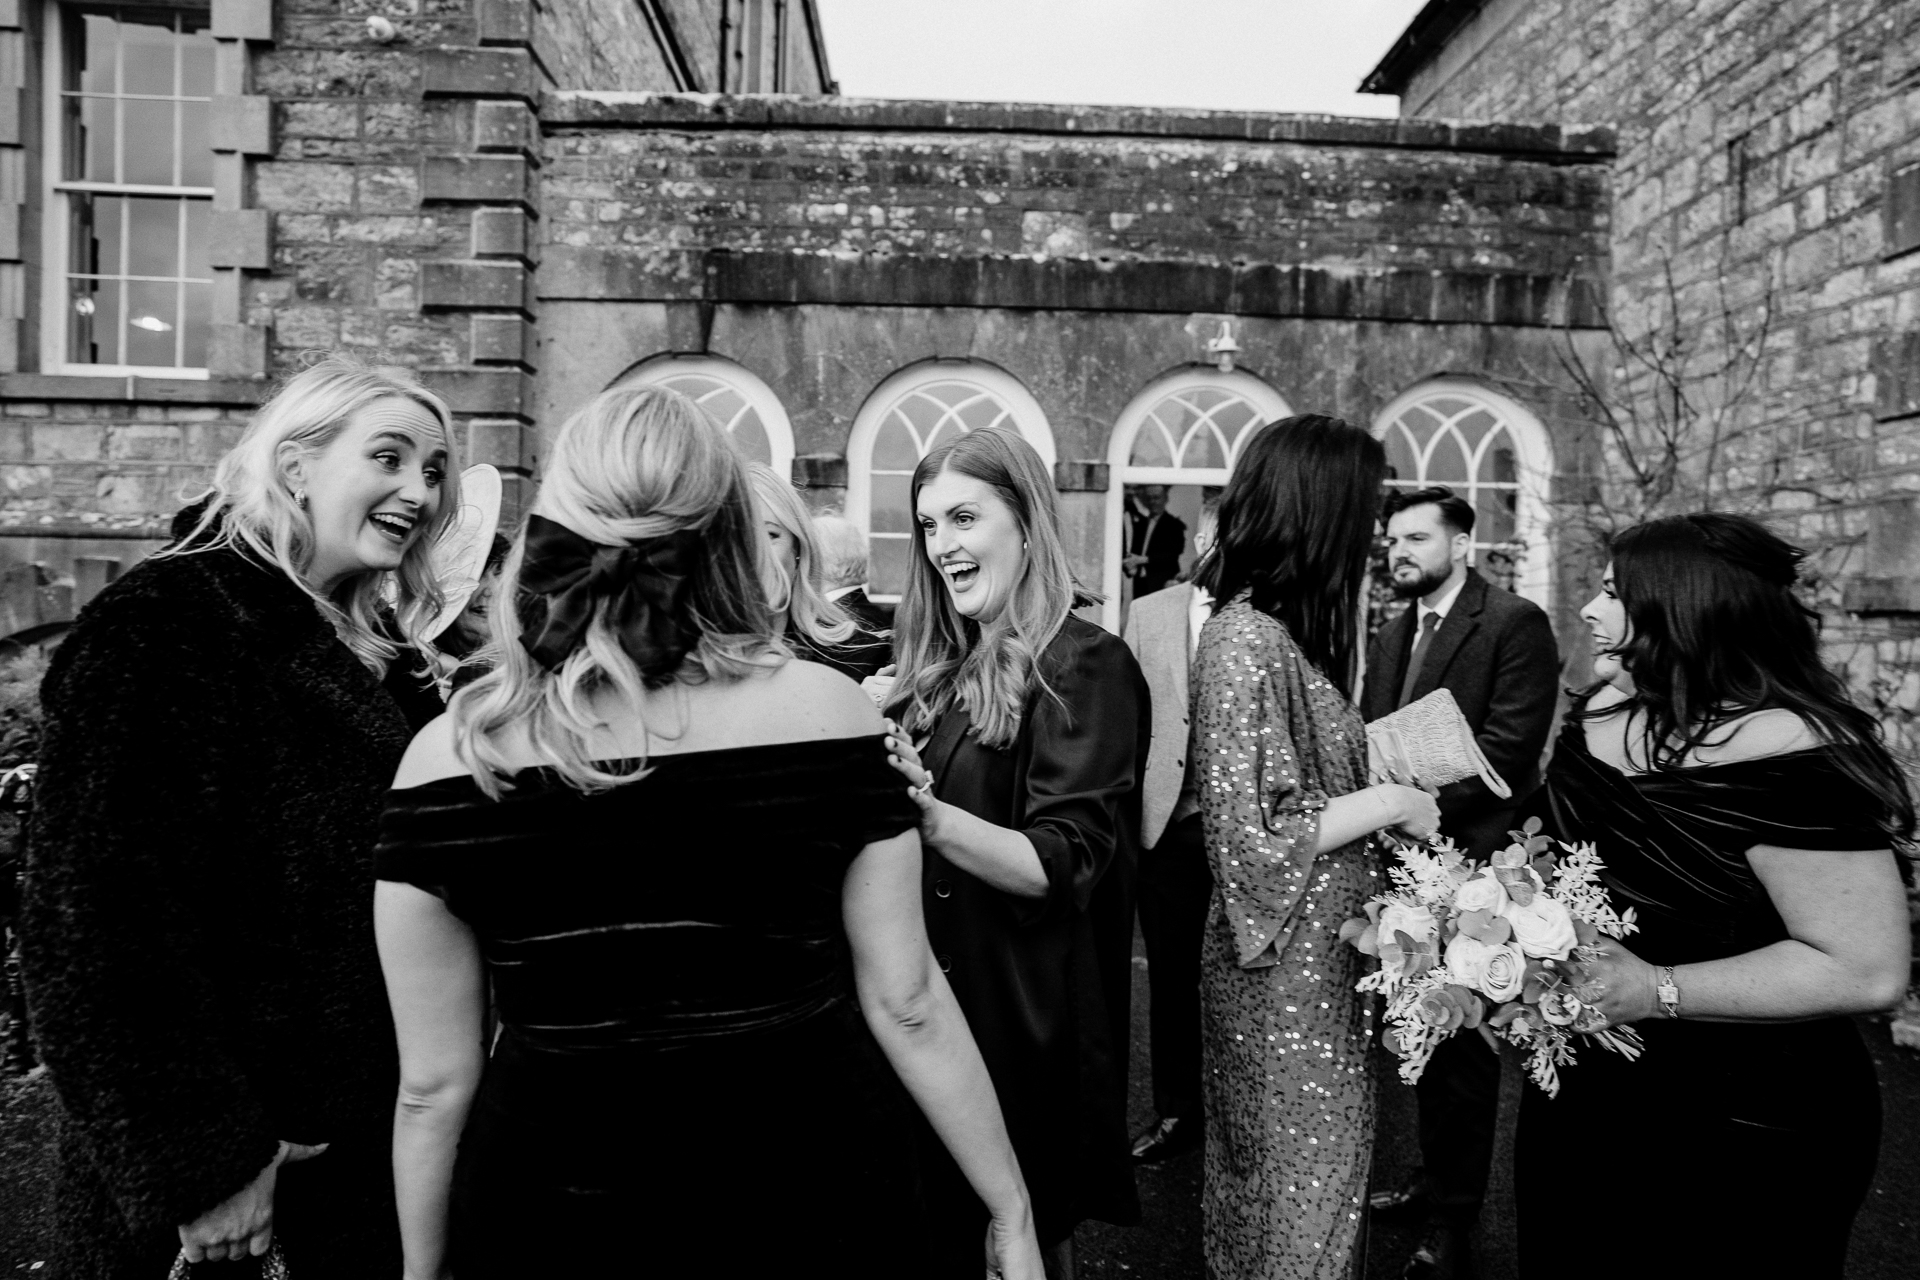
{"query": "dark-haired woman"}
(1034, 726)
(1281, 757)
(1748, 812)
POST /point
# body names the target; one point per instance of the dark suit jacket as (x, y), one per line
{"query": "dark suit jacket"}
(1496, 654)
(1162, 550)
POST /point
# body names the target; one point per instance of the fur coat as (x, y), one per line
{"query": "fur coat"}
(198, 921)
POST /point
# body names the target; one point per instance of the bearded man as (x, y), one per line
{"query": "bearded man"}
(1496, 654)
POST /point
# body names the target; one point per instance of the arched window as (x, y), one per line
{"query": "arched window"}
(906, 417)
(1184, 429)
(1493, 453)
(735, 398)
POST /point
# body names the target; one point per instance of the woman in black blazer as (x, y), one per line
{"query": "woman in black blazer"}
(1031, 727)
(198, 940)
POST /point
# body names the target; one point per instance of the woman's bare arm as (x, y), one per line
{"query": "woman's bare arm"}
(436, 988)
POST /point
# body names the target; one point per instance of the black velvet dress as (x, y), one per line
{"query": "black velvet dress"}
(1044, 982)
(682, 1083)
(1737, 1149)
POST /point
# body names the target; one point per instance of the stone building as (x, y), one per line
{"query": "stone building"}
(530, 201)
(1765, 243)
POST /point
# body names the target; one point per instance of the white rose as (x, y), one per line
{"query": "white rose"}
(1416, 922)
(1543, 928)
(1506, 973)
(1482, 893)
(1467, 960)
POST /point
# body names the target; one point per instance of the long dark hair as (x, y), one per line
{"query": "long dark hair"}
(1717, 633)
(1295, 527)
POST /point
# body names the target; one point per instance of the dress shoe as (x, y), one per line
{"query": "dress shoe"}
(1168, 1138)
(1440, 1255)
(1406, 1198)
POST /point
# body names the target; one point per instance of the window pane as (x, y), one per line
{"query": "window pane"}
(196, 213)
(95, 235)
(146, 53)
(93, 53)
(893, 448)
(1446, 464)
(90, 138)
(1402, 463)
(196, 65)
(750, 438)
(153, 312)
(888, 570)
(196, 158)
(1150, 446)
(148, 155)
(890, 510)
(1493, 515)
(153, 237)
(94, 319)
(196, 324)
(980, 411)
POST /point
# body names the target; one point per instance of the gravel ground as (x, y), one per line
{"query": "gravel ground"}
(1166, 1244)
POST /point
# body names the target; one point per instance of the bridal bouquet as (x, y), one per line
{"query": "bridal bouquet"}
(1463, 945)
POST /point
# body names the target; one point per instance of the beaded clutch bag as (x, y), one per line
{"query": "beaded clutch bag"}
(1429, 743)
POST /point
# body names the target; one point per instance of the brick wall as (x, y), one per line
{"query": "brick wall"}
(1758, 146)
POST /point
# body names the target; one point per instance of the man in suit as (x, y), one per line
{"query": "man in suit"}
(1175, 884)
(1154, 540)
(1496, 654)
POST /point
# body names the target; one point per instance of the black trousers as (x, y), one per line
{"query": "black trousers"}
(1459, 1094)
(1176, 886)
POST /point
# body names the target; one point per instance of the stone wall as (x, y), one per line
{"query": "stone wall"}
(826, 244)
(1765, 207)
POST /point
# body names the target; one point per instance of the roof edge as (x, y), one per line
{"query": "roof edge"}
(1552, 143)
(1431, 28)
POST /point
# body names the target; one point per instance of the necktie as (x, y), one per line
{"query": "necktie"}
(1428, 625)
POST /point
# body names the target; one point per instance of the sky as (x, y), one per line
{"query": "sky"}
(1244, 55)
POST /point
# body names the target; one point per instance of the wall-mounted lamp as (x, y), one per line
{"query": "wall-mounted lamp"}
(1223, 348)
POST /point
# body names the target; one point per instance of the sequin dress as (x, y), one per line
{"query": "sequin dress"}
(1289, 1101)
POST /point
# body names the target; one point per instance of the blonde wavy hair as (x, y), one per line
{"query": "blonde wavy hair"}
(945, 658)
(633, 463)
(809, 612)
(253, 508)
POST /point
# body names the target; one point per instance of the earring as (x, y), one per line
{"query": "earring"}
(300, 496)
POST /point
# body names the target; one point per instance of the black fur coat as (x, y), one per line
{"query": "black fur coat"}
(198, 920)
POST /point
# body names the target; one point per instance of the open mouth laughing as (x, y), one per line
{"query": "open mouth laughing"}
(393, 525)
(961, 574)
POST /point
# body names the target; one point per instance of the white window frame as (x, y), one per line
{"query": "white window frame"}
(1268, 404)
(1533, 459)
(55, 224)
(1020, 406)
(664, 369)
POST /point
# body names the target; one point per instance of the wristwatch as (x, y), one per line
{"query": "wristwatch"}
(1668, 991)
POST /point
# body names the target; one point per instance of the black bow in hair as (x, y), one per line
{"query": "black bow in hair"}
(563, 577)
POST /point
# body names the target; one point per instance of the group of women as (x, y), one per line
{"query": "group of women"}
(688, 955)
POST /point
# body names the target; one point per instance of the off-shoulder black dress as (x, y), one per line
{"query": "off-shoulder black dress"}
(682, 1082)
(1737, 1149)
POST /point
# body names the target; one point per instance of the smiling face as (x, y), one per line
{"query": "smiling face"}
(974, 539)
(372, 492)
(1608, 618)
(1423, 552)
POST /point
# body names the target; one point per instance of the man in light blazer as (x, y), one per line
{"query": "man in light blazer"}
(1175, 883)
